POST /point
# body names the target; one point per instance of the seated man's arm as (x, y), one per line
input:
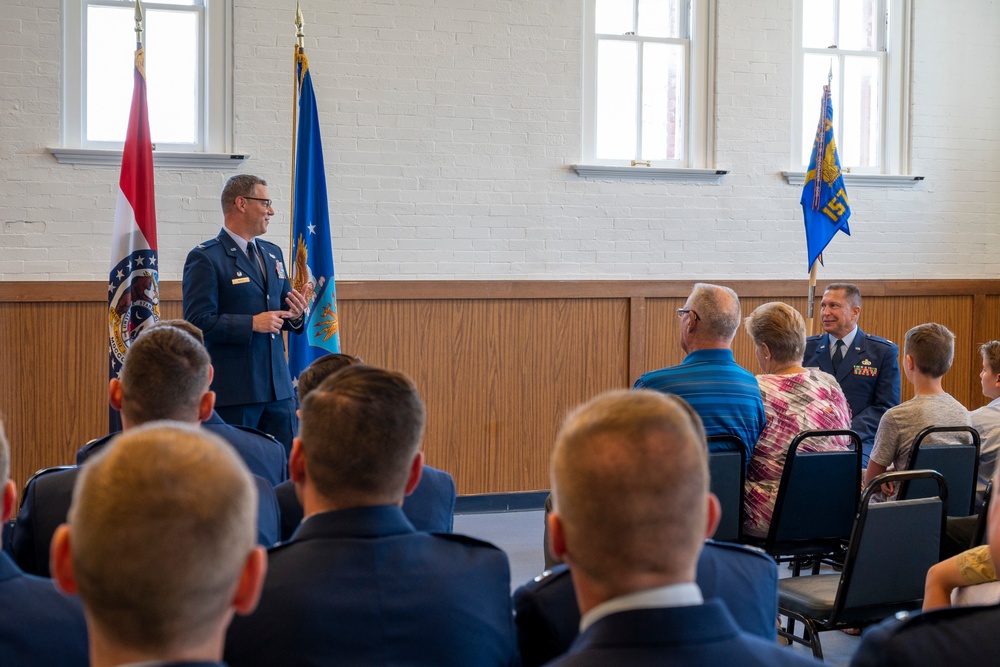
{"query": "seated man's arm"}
(966, 569)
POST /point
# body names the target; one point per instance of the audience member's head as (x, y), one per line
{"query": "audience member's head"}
(322, 368)
(929, 348)
(183, 325)
(840, 308)
(160, 543)
(710, 317)
(166, 375)
(630, 488)
(779, 334)
(990, 374)
(8, 490)
(359, 440)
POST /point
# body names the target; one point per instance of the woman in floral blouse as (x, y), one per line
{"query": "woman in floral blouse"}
(796, 399)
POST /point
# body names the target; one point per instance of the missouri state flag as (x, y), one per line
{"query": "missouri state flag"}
(824, 199)
(312, 252)
(133, 288)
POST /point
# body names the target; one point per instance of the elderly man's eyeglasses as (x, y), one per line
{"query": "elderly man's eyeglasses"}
(681, 312)
(266, 202)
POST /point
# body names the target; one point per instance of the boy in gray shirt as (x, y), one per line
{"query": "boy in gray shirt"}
(928, 351)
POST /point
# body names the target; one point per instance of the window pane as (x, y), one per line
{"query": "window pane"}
(857, 25)
(660, 18)
(862, 115)
(818, 24)
(815, 70)
(616, 95)
(662, 101)
(110, 49)
(172, 81)
(613, 17)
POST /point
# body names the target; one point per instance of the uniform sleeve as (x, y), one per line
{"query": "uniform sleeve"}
(201, 303)
(873, 651)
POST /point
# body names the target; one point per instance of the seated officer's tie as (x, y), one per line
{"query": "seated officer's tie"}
(838, 355)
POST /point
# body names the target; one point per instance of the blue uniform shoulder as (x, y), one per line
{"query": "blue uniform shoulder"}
(813, 339)
(468, 541)
(880, 341)
(211, 243)
(547, 578)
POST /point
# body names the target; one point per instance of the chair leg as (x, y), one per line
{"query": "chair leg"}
(810, 633)
(816, 564)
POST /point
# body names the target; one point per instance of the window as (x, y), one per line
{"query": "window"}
(647, 91)
(188, 86)
(863, 43)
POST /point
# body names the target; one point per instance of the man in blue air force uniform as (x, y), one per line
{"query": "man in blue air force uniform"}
(866, 366)
(236, 290)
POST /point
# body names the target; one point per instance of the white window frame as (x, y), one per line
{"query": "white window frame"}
(894, 42)
(215, 131)
(699, 105)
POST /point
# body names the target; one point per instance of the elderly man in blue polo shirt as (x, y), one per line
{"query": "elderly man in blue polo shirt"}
(725, 395)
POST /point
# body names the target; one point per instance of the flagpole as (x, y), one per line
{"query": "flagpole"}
(812, 271)
(138, 26)
(299, 50)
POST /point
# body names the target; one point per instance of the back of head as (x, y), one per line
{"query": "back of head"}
(932, 347)
(183, 325)
(718, 310)
(781, 328)
(360, 431)
(164, 376)
(161, 524)
(240, 185)
(322, 368)
(991, 355)
(630, 481)
(850, 290)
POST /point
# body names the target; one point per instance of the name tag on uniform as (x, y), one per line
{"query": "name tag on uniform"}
(240, 281)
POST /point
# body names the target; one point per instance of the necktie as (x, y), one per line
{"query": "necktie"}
(838, 355)
(256, 259)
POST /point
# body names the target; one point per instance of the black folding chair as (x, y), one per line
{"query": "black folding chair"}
(892, 546)
(979, 537)
(958, 462)
(816, 504)
(727, 473)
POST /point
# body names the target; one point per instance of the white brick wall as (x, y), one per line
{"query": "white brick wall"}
(448, 126)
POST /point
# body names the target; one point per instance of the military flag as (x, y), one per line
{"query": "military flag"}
(311, 252)
(824, 199)
(133, 288)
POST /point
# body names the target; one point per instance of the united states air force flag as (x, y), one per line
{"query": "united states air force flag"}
(133, 289)
(312, 263)
(824, 199)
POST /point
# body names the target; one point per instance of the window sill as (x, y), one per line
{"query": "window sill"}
(113, 158)
(650, 173)
(862, 180)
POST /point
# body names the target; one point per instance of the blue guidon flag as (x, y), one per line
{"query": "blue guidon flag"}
(824, 199)
(133, 290)
(312, 252)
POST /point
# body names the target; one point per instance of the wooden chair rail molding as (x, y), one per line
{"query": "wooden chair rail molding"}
(499, 363)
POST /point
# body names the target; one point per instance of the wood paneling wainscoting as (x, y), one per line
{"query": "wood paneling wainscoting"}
(498, 363)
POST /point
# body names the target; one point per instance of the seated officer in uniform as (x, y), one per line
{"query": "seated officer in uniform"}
(160, 547)
(38, 624)
(431, 506)
(866, 366)
(166, 375)
(356, 584)
(632, 510)
(744, 578)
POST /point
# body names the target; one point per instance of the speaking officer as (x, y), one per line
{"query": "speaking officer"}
(866, 366)
(236, 290)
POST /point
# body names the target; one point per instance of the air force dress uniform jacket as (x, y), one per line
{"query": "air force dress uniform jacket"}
(868, 375)
(222, 293)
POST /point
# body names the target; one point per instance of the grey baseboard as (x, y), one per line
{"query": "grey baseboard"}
(482, 503)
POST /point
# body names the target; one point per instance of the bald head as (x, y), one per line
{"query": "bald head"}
(160, 528)
(630, 489)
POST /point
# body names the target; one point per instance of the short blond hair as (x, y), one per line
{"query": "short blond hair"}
(630, 478)
(932, 348)
(991, 355)
(781, 328)
(161, 524)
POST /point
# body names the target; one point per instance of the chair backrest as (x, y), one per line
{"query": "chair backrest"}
(979, 537)
(958, 462)
(817, 497)
(893, 544)
(727, 475)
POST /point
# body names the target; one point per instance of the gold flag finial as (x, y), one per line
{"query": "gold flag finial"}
(138, 25)
(299, 24)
